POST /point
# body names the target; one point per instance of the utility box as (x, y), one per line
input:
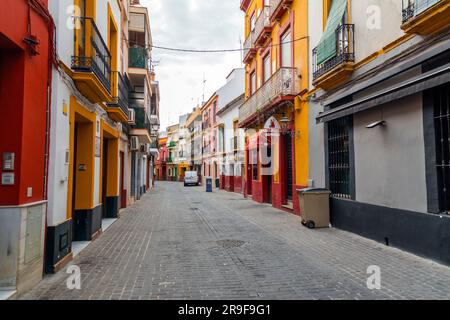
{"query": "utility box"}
(315, 207)
(209, 184)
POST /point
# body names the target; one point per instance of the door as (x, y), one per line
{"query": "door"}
(74, 176)
(104, 176)
(288, 167)
(249, 174)
(123, 194)
(286, 50)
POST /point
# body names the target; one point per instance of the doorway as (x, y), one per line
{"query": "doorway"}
(249, 180)
(123, 192)
(104, 177)
(288, 167)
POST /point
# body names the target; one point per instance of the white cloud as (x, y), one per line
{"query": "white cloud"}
(193, 24)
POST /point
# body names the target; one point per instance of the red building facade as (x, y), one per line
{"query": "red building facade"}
(26, 57)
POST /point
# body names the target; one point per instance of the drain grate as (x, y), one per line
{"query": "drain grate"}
(227, 244)
(194, 209)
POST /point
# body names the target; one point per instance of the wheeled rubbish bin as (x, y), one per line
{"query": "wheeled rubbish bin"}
(209, 184)
(315, 207)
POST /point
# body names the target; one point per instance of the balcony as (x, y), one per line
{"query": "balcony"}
(138, 57)
(425, 17)
(118, 109)
(91, 62)
(142, 127)
(278, 8)
(249, 49)
(282, 86)
(263, 27)
(172, 145)
(339, 67)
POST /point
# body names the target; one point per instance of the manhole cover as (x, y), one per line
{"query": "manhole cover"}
(230, 243)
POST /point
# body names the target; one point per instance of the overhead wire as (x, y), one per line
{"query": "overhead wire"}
(219, 50)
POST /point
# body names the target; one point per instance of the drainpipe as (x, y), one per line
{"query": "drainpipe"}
(43, 12)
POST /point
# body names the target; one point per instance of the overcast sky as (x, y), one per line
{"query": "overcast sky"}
(193, 24)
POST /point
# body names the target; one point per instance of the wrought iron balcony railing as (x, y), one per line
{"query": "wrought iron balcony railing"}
(91, 54)
(142, 121)
(248, 44)
(282, 83)
(345, 51)
(120, 89)
(138, 57)
(412, 8)
(262, 22)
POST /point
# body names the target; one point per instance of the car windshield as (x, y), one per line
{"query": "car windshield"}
(191, 174)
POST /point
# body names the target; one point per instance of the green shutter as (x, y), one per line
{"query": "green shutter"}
(327, 45)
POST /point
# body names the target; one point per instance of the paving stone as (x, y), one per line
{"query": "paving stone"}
(229, 249)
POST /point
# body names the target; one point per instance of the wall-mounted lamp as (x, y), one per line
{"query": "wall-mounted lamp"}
(376, 124)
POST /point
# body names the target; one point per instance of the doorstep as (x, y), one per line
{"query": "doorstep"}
(106, 223)
(288, 206)
(7, 294)
(78, 246)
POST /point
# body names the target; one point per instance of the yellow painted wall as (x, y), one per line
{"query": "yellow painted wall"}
(84, 188)
(112, 170)
(299, 15)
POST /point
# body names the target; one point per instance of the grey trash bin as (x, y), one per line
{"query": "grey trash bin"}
(315, 207)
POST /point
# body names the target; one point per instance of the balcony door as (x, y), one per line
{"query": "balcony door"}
(286, 50)
(252, 83)
(81, 28)
(267, 68)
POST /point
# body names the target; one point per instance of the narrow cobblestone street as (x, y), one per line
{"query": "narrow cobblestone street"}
(182, 243)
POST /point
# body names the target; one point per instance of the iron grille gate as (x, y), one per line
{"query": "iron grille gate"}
(339, 157)
(289, 167)
(442, 127)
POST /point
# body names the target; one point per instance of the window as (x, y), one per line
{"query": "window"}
(442, 131)
(252, 22)
(339, 158)
(254, 163)
(266, 68)
(252, 83)
(286, 50)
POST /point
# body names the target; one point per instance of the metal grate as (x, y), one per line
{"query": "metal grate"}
(339, 157)
(412, 8)
(345, 51)
(442, 127)
(91, 51)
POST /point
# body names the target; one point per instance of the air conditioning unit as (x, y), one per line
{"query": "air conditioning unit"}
(132, 118)
(134, 143)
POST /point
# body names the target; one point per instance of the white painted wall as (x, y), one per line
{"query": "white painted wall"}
(389, 160)
(371, 36)
(234, 87)
(61, 92)
(316, 131)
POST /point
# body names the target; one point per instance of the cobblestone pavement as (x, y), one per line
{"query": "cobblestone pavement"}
(181, 243)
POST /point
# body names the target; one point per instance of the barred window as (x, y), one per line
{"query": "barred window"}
(339, 157)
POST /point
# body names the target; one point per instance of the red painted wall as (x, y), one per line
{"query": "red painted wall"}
(238, 185)
(23, 100)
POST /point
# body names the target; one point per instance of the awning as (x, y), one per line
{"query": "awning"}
(327, 45)
(417, 84)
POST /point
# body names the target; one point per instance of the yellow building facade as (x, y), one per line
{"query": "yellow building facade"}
(275, 113)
